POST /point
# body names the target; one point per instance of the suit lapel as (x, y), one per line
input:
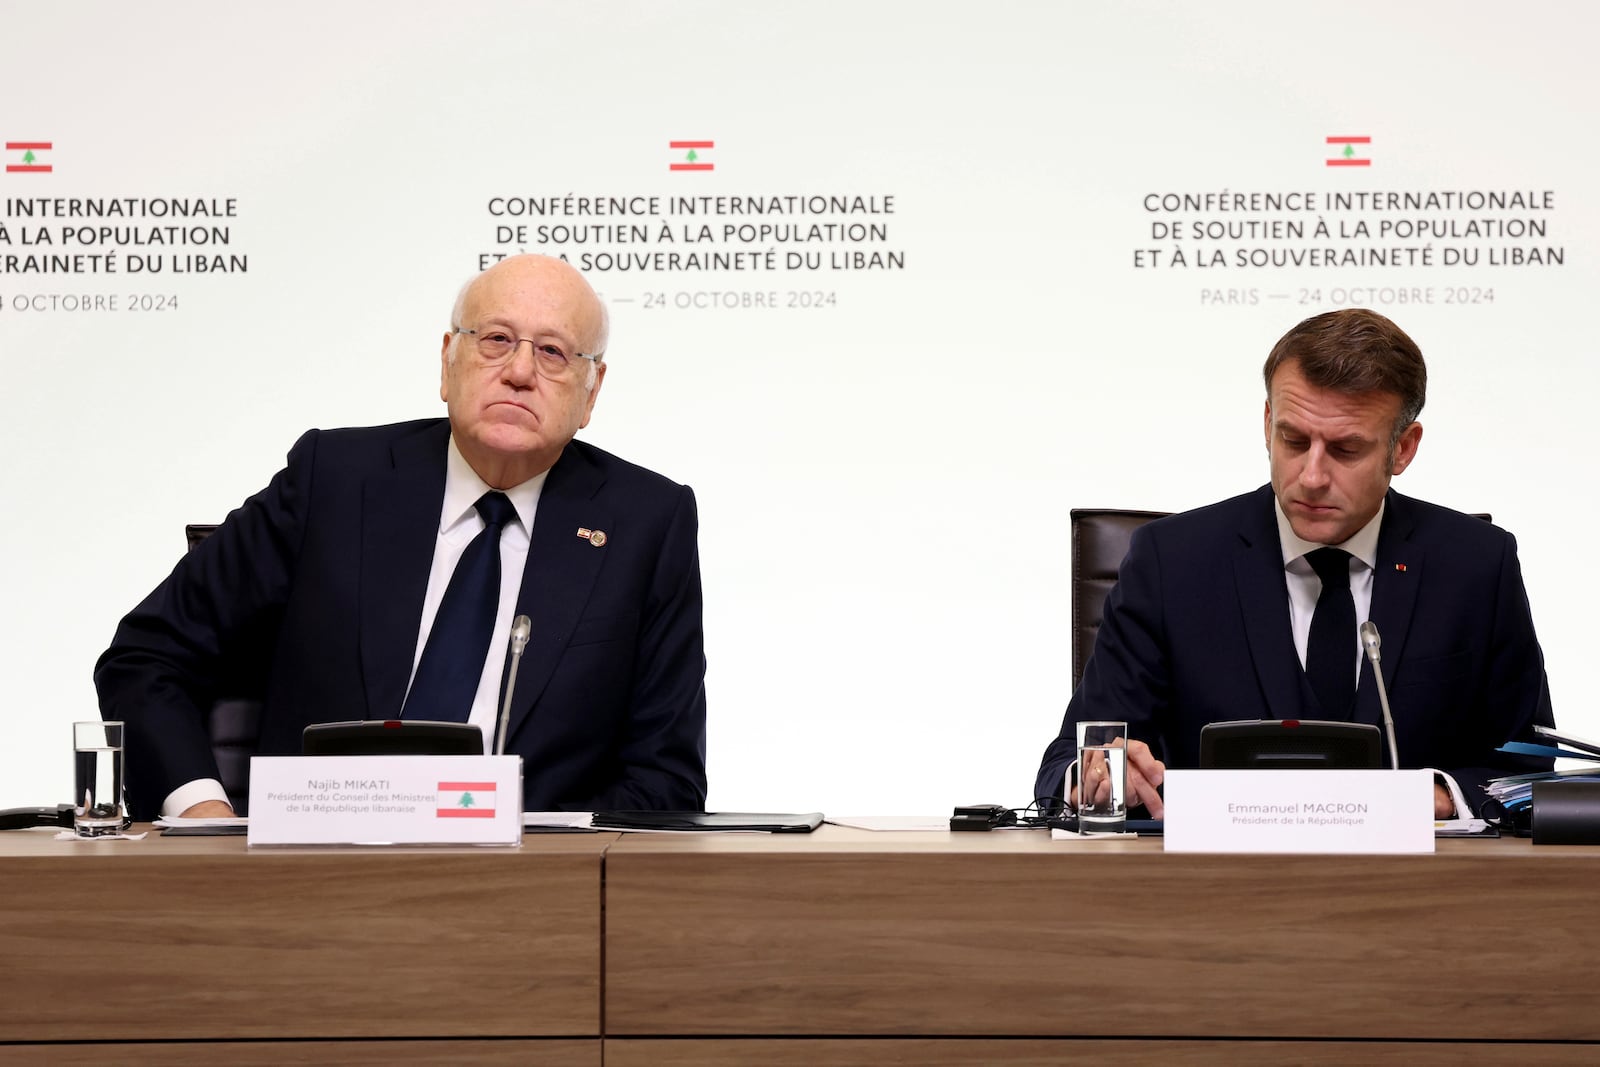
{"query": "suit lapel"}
(560, 572)
(1263, 601)
(399, 529)
(1395, 582)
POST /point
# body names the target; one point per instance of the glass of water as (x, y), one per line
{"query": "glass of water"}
(1102, 777)
(98, 807)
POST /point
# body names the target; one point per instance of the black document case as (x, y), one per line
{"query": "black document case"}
(725, 821)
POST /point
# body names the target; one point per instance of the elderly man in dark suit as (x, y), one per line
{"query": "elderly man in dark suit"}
(378, 573)
(1249, 609)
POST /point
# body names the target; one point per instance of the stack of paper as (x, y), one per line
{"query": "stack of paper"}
(1514, 793)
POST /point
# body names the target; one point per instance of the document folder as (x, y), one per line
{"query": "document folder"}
(708, 821)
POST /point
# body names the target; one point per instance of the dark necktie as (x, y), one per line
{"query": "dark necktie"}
(1331, 648)
(452, 661)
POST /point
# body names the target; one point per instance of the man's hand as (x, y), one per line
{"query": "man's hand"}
(1145, 774)
(209, 809)
(1443, 806)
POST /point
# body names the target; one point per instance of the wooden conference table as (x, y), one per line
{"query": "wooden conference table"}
(842, 946)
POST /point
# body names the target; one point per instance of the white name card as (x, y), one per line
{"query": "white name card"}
(386, 800)
(1298, 811)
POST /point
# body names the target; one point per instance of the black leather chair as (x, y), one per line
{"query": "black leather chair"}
(1100, 539)
(233, 723)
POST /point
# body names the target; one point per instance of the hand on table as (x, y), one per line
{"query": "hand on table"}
(209, 809)
(1444, 807)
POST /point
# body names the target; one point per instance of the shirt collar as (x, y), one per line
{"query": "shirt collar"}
(463, 487)
(1363, 544)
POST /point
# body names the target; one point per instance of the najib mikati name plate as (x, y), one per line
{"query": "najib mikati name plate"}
(386, 800)
(1298, 811)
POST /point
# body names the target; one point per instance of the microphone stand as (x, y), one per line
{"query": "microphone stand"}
(521, 628)
(1370, 642)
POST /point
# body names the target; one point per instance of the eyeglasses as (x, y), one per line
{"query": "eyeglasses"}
(495, 346)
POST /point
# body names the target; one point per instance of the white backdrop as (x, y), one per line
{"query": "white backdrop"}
(884, 476)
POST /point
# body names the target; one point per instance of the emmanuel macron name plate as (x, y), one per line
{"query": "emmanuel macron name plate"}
(1299, 811)
(386, 800)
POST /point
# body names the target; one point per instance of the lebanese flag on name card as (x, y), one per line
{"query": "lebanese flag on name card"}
(466, 800)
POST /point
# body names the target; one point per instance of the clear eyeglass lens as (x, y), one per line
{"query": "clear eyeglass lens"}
(553, 362)
(496, 347)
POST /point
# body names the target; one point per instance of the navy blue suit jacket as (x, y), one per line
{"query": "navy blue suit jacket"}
(1197, 630)
(310, 594)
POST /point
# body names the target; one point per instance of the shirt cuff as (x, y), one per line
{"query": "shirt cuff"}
(189, 794)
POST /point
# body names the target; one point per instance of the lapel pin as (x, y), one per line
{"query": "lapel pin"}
(1401, 567)
(597, 538)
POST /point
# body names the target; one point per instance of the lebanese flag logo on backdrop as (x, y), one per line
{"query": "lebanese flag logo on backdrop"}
(690, 155)
(466, 800)
(1347, 155)
(22, 157)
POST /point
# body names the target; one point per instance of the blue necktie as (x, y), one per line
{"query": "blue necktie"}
(458, 645)
(1331, 647)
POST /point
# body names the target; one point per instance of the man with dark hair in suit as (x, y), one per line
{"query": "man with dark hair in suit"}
(323, 591)
(1218, 614)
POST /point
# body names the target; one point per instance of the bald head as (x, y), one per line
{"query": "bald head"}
(556, 281)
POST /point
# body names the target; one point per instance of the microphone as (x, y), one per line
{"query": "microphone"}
(1370, 642)
(521, 627)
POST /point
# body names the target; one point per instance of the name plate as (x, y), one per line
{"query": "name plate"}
(1299, 811)
(385, 800)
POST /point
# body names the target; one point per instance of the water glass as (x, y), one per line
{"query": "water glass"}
(1102, 777)
(98, 805)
